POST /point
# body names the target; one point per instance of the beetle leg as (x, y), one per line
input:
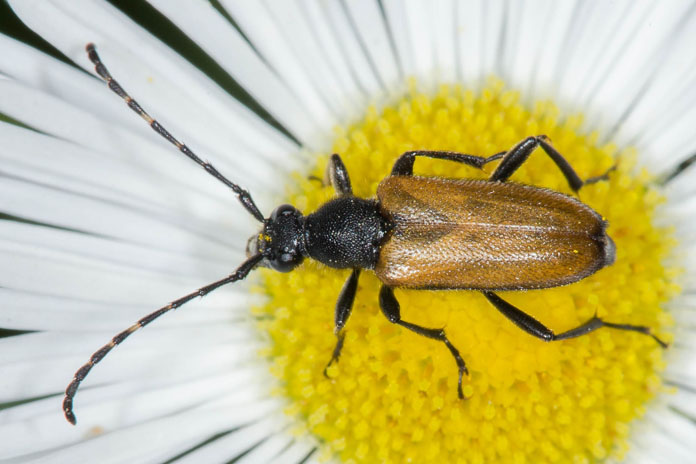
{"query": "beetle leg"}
(404, 165)
(596, 323)
(601, 177)
(535, 328)
(520, 152)
(337, 176)
(391, 309)
(681, 167)
(344, 306)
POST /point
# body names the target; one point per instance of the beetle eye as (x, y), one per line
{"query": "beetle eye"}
(286, 262)
(284, 211)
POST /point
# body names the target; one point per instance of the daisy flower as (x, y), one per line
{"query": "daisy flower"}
(103, 222)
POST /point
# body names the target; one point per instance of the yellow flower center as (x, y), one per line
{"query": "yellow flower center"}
(392, 397)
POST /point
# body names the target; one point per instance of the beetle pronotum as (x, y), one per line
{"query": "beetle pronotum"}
(421, 233)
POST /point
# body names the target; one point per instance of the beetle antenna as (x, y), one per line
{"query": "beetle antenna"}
(243, 195)
(82, 372)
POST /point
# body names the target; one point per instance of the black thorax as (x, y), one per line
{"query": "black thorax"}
(346, 232)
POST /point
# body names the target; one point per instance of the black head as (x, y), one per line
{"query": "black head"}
(281, 242)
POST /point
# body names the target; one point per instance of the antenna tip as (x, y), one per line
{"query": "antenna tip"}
(68, 411)
(71, 417)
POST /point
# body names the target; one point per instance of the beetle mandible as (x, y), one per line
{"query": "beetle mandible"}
(421, 233)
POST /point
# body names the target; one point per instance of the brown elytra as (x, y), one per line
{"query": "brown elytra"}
(482, 235)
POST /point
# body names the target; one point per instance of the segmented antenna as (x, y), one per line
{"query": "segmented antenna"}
(243, 195)
(239, 274)
(82, 372)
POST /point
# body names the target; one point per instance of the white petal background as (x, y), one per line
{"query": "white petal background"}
(127, 224)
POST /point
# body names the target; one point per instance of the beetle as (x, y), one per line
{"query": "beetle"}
(420, 233)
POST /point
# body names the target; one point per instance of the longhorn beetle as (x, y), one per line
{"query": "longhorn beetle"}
(420, 233)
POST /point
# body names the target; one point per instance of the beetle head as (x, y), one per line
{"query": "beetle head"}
(281, 241)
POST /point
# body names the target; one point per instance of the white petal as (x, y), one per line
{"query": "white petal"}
(297, 452)
(306, 52)
(236, 442)
(152, 73)
(139, 359)
(443, 29)
(342, 52)
(631, 60)
(493, 22)
(411, 25)
(593, 27)
(33, 346)
(53, 77)
(658, 122)
(159, 445)
(684, 401)
(682, 368)
(656, 439)
(334, 25)
(110, 254)
(395, 13)
(64, 209)
(526, 34)
(266, 36)
(31, 156)
(231, 51)
(55, 117)
(469, 30)
(367, 22)
(266, 451)
(559, 25)
(24, 310)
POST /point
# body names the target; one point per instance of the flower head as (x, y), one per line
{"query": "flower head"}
(103, 223)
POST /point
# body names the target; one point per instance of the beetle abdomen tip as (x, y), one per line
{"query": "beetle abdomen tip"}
(609, 251)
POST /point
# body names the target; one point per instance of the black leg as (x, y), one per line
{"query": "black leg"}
(336, 352)
(344, 306)
(391, 309)
(595, 179)
(337, 176)
(404, 165)
(681, 167)
(535, 328)
(520, 152)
